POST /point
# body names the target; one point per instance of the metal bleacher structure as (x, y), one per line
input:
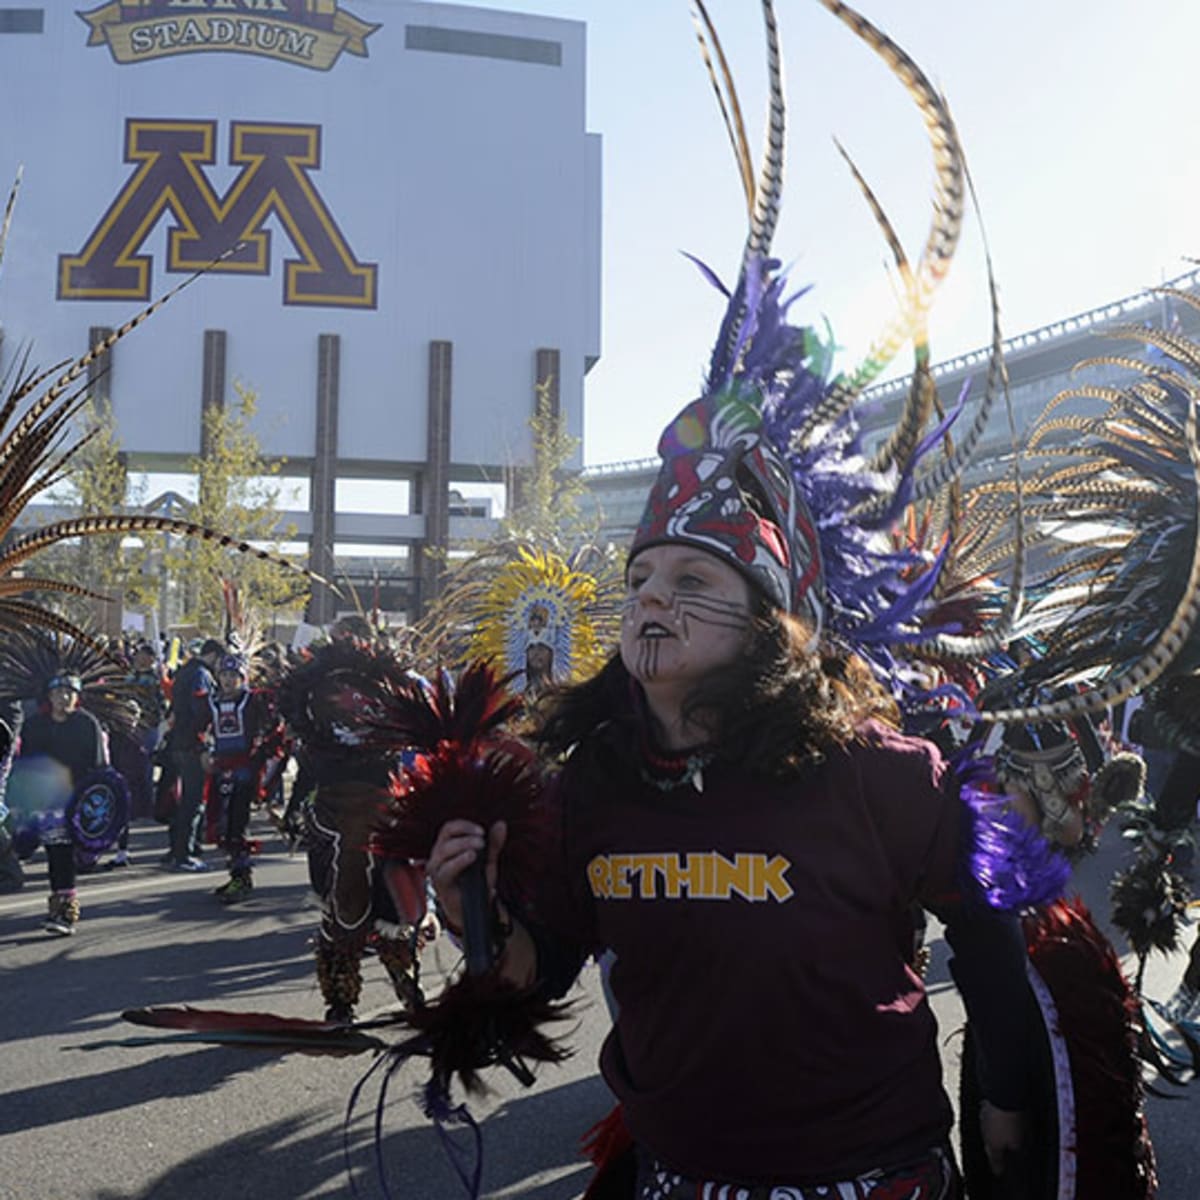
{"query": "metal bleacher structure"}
(1040, 364)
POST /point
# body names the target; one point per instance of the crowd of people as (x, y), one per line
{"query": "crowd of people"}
(199, 747)
(194, 746)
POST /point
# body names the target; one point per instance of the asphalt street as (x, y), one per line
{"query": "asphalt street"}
(81, 1121)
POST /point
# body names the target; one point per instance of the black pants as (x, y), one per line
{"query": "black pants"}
(238, 795)
(185, 824)
(60, 860)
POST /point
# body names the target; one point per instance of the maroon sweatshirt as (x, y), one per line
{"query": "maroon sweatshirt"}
(770, 1029)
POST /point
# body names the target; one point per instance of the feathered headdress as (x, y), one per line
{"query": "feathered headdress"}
(333, 695)
(1112, 487)
(539, 615)
(768, 468)
(33, 660)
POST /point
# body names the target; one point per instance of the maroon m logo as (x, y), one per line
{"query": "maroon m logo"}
(170, 157)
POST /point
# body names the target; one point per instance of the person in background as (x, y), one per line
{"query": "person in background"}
(147, 683)
(242, 733)
(329, 700)
(61, 732)
(193, 685)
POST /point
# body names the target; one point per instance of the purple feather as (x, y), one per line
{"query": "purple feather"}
(1011, 862)
(708, 273)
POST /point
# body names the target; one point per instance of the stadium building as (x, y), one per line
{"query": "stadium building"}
(368, 186)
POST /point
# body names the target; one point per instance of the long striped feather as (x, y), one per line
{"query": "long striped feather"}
(39, 539)
(1158, 657)
(731, 109)
(8, 212)
(32, 583)
(769, 191)
(945, 227)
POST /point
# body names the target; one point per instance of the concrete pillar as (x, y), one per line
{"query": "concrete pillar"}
(435, 479)
(99, 371)
(321, 604)
(548, 378)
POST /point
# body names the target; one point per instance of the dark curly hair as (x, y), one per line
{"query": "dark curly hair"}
(777, 707)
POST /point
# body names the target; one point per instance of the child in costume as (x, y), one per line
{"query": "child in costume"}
(242, 735)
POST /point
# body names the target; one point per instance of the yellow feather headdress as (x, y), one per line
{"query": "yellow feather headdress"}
(538, 616)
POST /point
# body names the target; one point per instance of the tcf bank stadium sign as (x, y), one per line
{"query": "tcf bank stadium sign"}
(310, 33)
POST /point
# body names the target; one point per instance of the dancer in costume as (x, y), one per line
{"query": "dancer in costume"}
(736, 799)
(541, 616)
(721, 769)
(328, 700)
(69, 799)
(242, 736)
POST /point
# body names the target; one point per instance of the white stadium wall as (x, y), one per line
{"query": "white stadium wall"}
(399, 174)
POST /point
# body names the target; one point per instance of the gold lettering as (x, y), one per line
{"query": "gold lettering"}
(647, 867)
(769, 880)
(600, 877)
(680, 872)
(620, 880)
(698, 876)
(733, 875)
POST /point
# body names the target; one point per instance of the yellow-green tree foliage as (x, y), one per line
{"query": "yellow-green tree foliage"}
(545, 510)
(97, 483)
(235, 496)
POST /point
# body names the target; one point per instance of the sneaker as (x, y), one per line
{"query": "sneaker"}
(191, 865)
(236, 889)
(62, 913)
(118, 860)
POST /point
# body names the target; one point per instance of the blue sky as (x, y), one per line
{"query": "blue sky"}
(1079, 128)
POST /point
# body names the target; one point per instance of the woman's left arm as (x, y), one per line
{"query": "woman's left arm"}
(989, 970)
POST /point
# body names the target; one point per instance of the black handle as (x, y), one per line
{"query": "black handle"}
(477, 919)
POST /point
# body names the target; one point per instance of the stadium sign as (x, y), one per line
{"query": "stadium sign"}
(273, 181)
(309, 33)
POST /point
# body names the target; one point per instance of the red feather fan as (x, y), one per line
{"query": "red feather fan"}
(1100, 1019)
(466, 767)
(255, 1029)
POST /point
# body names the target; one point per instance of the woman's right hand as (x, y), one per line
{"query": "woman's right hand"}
(459, 843)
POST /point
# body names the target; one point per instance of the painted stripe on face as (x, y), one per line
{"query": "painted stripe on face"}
(708, 610)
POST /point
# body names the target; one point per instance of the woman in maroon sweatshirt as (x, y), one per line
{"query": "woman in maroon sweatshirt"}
(745, 828)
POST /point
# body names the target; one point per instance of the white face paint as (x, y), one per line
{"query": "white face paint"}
(686, 613)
